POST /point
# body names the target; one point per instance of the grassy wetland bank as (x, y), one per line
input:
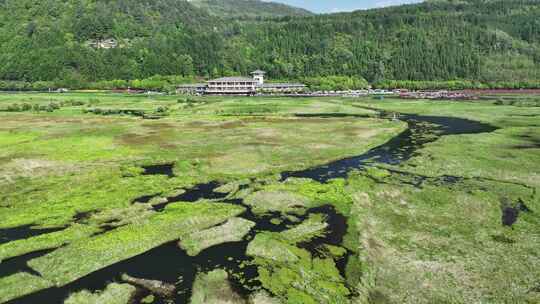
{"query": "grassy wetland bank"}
(110, 198)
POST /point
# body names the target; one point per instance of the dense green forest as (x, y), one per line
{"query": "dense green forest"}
(70, 41)
(248, 8)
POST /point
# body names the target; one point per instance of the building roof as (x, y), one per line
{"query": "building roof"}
(233, 79)
(191, 85)
(258, 72)
(283, 85)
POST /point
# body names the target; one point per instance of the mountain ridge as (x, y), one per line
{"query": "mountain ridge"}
(444, 40)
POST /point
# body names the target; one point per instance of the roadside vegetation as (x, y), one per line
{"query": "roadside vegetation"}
(458, 222)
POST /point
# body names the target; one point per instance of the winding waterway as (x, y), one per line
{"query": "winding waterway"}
(168, 263)
(421, 131)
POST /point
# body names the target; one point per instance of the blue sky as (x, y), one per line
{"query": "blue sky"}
(329, 6)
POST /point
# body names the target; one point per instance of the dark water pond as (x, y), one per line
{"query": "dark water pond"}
(162, 169)
(145, 198)
(19, 264)
(201, 191)
(166, 263)
(170, 264)
(512, 210)
(24, 232)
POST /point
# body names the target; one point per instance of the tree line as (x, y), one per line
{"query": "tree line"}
(54, 42)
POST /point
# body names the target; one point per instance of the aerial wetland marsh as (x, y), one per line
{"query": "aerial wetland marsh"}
(110, 198)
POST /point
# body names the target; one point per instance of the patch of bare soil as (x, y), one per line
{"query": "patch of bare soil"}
(24, 167)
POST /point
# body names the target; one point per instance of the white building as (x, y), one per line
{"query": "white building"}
(241, 86)
(258, 75)
(232, 85)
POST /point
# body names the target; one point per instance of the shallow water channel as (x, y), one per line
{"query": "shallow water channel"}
(168, 263)
(421, 130)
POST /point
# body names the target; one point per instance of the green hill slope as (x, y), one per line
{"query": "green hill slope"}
(248, 8)
(495, 40)
(90, 40)
(55, 39)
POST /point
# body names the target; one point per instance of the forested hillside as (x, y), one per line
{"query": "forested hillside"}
(89, 40)
(46, 40)
(248, 8)
(481, 40)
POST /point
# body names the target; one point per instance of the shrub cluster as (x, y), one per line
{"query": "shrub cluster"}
(26, 107)
(162, 110)
(107, 112)
(50, 107)
(73, 103)
(158, 112)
